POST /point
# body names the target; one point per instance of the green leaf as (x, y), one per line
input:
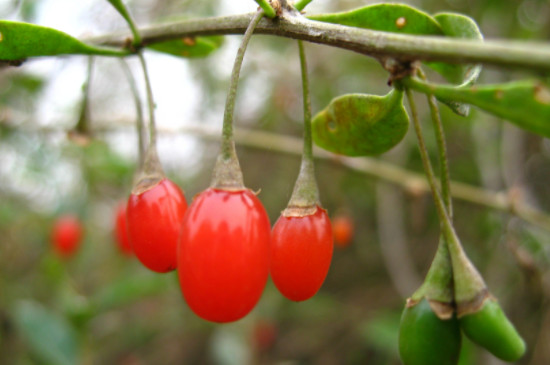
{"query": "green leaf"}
(49, 336)
(459, 26)
(361, 124)
(189, 47)
(525, 103)
(396, 18)
(400, 18)
(22, 40)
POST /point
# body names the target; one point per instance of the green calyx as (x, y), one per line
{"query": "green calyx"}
(489, 327)
(150, 174)
(437, 288)
(469, 286)
(425, 339)
(305, 196)
(227, 174)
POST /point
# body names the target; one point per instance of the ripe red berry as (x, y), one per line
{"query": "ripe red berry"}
(154, 220)
(121, 230)
(223, 262)
(342, 230)
(301, 251)
(66, 235)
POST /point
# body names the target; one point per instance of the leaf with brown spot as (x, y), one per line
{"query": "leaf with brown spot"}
(189, 47)
(361, 124)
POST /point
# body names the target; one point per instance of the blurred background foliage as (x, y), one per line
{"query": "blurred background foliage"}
(102, 307)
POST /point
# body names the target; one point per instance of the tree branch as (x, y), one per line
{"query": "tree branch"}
(528, 55)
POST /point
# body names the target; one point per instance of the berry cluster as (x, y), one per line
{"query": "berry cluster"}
(222, 245)
(223, 248)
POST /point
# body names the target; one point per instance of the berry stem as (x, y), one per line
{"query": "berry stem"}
(308, 140)
(227, 172)
(439, 282)
(305, 196)
(151, 172)
(468, 283)
(150, 103)
(442, 151)
(140, 123)
(445, 176)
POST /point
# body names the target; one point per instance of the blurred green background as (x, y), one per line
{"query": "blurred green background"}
(102, 307)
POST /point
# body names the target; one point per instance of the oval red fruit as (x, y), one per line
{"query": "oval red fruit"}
(223, 262)
(342, 230)
(301, 251)
(154, 220)
(66, 235)
(121, 230)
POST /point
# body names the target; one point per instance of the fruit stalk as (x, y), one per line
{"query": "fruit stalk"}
(468, 281)
(151, 171)
(140, 124)
(227, 171)
(438, 287)
(305, 196)
(445, 176)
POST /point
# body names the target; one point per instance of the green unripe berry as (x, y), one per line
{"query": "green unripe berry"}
(489, 327)
(425, 339)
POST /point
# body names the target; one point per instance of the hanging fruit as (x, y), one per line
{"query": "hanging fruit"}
(302, 244)
(155, 207)
(223, 260)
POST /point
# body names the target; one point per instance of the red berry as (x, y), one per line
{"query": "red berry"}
(342, 230)
(154, 220)
(66, 235)
(301, 251)
(121, 230)
(223, 261)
